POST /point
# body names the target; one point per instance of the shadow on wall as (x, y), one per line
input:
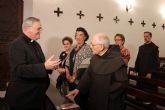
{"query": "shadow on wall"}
(53, 47)
(132, 54)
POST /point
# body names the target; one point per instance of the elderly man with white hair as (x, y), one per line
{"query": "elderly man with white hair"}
(105, 77)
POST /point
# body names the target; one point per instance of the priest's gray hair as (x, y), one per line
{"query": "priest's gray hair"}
(28, 22)
(102, 38)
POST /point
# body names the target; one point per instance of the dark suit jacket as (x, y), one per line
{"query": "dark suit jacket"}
(147, 60)
(29, 78)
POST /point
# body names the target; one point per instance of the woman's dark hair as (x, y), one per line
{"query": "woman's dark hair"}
(121, 36)
(68, 39)
(84, 31)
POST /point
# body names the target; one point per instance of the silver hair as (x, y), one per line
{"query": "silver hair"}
(28, 22)
(102, 38)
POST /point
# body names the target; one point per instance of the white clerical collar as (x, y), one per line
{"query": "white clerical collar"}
(102, 52)
(31, 40)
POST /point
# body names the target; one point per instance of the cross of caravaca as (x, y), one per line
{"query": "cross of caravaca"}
(99, 17)
(80, 14)
(58, 12)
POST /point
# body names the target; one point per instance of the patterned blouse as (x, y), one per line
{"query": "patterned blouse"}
(125, 54)
(83, 53)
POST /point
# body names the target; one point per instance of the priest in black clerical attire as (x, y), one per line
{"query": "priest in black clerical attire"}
(106, 77)
(147, 62)
(29, 70)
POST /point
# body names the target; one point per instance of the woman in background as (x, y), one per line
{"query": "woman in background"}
(80, 53)
(120, 40)
(61, 80)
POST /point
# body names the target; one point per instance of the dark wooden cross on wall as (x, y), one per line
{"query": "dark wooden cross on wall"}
(99, 17)
(163, 26)
(131, 21)
(143, 23)
(153, 25)
(80, 14)
(58, 12)
(116, 19)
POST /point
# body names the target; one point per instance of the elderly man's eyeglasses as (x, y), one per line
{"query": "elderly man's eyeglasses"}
(93, 45)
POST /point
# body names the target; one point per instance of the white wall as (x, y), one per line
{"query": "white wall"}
(28, 8)
(55, 28)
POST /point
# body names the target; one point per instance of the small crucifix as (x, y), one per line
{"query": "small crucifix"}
(143, 23)
(131, 21)
(153, 24)
(80, 14)
(163, 26)
(116, 19)
(100, 17)
(58, 12)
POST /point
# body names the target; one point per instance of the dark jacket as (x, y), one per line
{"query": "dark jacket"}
(29, 78)
(62, 77)
(147, 60)
(104, 81)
